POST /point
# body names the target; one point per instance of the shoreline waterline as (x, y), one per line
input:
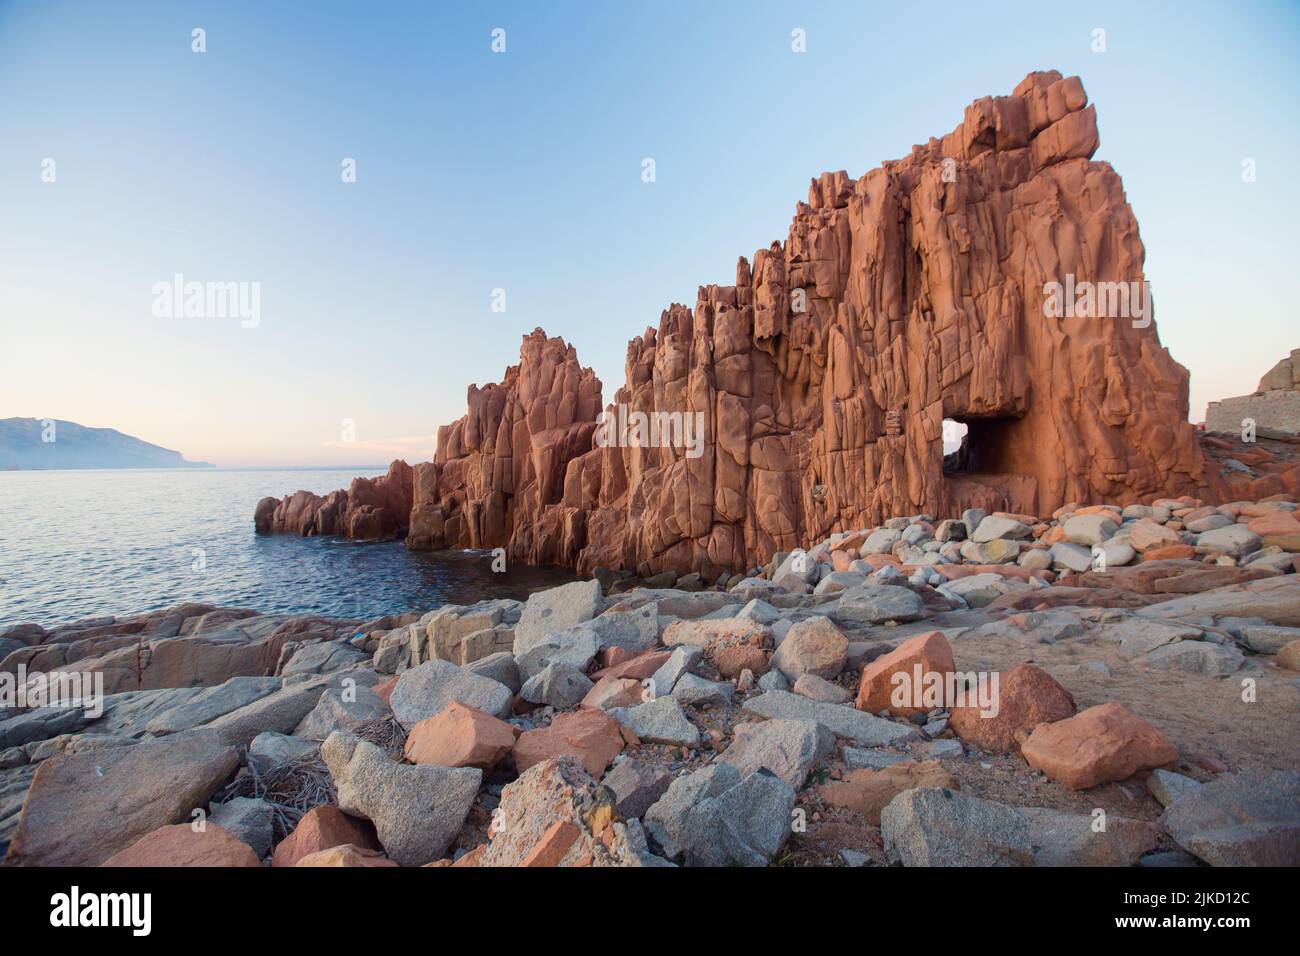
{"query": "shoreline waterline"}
(76, 545)
(460, 582)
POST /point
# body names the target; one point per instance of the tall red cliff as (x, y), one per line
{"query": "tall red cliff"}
(911, 295)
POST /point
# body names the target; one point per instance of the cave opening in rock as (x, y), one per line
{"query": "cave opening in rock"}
(953, 433)
(974, 446)
(955, 449)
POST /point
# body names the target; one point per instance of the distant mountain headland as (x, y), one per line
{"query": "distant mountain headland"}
(34, 443)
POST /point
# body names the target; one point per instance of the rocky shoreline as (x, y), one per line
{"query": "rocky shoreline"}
(1117, 686)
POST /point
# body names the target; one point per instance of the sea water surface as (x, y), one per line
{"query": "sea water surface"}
(80, 544)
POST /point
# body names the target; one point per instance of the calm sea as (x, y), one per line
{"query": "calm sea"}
(79, 544)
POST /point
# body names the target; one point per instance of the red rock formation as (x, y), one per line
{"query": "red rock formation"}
(370, 508)
(923, 291)
(823, 376)
(499, 475)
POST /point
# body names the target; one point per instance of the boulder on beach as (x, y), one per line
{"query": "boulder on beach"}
(184, 844)
(417, 810)
(84, 808)
(1099, 745)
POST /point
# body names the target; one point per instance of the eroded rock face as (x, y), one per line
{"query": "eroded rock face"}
(809, 396)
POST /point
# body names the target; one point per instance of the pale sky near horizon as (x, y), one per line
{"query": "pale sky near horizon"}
(522, 171)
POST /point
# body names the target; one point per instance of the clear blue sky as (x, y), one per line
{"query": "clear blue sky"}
(522, 171)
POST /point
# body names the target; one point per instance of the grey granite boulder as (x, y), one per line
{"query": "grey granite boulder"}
(499, 667)
(248, 819)
(634, 630)
(659, 721)
(1086, 530)
(324, 657)
(280, 712)
(744, 825)
(1139, 635)
(1267, 638)
(417, 810)
(930, 826)
(760, 611)
(819, 689)
(838, 581)
(270, 749)
(1241, 819)
(466, 633)
(993, 528)
(842, 720)
(788, 748)
(210, 703)
(394, 651)
(773, 680)
(636, 786)
(1235, 539)
(342, 708)
(556, 609)
(559, 685)
(425, 690)
(1080, 839)
(880, 541)
(41, 723)
(878, 603)
(666, 819)
(1071, 557)
(1167, 786)
(1194, 657)
(695, 691)
(576, 646)
(683, 660)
